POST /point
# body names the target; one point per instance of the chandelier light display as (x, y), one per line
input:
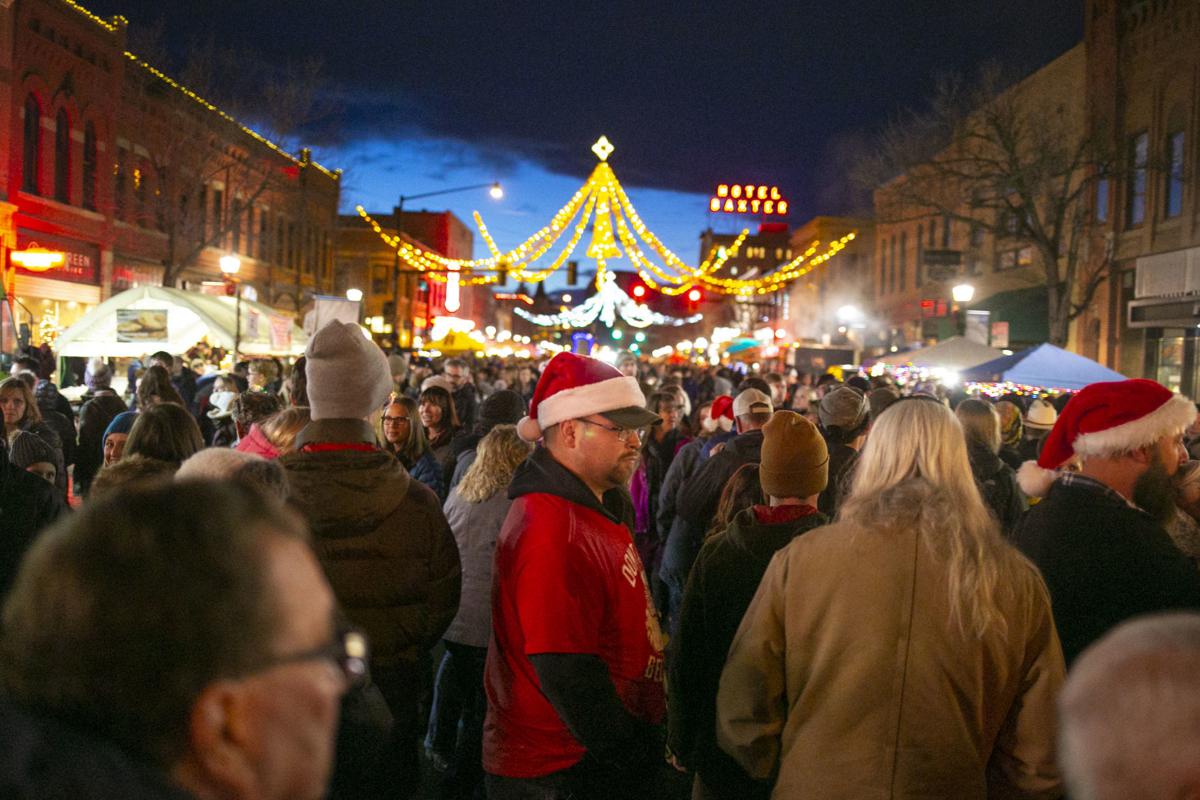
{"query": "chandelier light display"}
(616, 230)
(605, 305)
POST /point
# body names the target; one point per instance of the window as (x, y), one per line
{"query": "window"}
(218, 217)
(140, 178)
(31, 155)
(201, 227)
(235, 222)
(892, 267)
(89, 167)
(882, 267)
(264, 236)
(931, 242)
(120, 184)
(1135, 207)
(1025, 257)
(1007, 260)
(62, 157)
(1173, 205)
(1102, 190)
(903, 260)
(976, 236)
(920, 253)
(250, 229)
(946, 232)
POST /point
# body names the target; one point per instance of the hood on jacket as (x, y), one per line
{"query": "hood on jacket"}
(541, 474)
(257, 442)
(984, 463)
(345, 492)
(763, 541)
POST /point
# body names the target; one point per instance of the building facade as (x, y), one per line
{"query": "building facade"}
(829, 304)
(138, 180)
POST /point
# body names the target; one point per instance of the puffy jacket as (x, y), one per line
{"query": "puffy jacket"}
(998, 485)
(381, 537)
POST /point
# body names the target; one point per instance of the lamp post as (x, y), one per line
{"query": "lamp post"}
(962, 294)
(494, 189)
(230, 264)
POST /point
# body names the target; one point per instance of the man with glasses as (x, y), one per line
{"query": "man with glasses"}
(173, 642)
(574, 676)
(466, 400)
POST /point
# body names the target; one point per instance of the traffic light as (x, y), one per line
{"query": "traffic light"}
(572, 272)
(694, 296)
(639, 292)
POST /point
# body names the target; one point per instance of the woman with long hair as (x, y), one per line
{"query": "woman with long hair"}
(404, 437)
(438, 416)
(742, 490)
(475, 510)
(905, 649)
(166, 432)
(155, 387)
(996, 480)
(276, 435)
(21, 414)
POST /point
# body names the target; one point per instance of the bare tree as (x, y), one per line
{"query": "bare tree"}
(205, 168)
(1019, 163)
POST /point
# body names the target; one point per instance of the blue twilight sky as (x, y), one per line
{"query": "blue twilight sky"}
(378, 170)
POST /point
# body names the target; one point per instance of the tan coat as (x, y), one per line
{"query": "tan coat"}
(847, 678)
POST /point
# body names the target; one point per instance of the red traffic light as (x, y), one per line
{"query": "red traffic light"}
(694, 296)
(639, 291)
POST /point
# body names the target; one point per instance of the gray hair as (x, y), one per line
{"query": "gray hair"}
(1130, 712)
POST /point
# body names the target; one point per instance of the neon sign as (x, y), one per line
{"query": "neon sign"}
(747, 198)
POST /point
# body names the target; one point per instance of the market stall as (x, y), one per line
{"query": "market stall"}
(955, 354)
(141, 320)
(1041, 369)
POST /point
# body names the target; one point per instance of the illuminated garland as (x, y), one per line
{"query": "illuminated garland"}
(615, 223)
(605, 305)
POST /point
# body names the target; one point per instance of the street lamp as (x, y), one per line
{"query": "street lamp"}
(963, 293)
(354, 295)
(494, 189)
(230, 264)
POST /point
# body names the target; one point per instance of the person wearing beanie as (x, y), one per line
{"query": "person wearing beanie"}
(574, 674)
(1098, 535)
(503, 407)
(793, 472)
(112, 443)
(380, 536)
(29, 452)
(1012, 431)
(27, 505)
(94, 419)
(844, 415)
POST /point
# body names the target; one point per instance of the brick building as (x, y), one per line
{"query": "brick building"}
(815, 299)
(138, 180)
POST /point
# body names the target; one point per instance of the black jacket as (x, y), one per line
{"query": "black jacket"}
(842, 458)
(43, 759)
(998, 485)
(27, 505)
(699, 497)
(1104, 562)
(93, 421)
(724, 578)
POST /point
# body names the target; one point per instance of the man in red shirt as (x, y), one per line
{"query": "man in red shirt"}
(574, 674)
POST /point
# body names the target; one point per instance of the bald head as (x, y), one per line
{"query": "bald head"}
(1130, 713)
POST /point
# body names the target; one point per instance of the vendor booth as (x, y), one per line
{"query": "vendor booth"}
(1044, 367)
(956, 353)
(148, 318)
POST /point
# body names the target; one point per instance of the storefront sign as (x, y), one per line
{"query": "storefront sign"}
(141, 324)
(1000, 335)
(281, 333)
(82, 263)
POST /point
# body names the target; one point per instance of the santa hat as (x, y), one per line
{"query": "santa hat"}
(722, 406)
(574, 386)
(1106, 419)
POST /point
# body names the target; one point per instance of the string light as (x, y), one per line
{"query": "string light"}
(617, 231)
(609, 302)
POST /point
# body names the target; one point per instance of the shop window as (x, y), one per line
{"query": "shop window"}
(89, 166)
(62, 157)
(1139, 153)
(1173, 202)
(32, 146)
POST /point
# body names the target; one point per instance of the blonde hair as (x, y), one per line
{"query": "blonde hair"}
(496, 459)
(980, 423)
(914, 473)
(282, 427)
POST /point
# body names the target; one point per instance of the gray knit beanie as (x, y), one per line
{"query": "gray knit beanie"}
(348, 375)
(29, 449)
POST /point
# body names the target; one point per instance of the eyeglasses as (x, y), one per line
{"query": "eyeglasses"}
(626, 435)
(348, 651)
(394, 420)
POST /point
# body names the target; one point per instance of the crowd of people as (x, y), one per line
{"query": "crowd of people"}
(373, 576)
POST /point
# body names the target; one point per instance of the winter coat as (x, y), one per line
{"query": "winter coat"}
(1104, 561)
(45, 758)
(723, 581)
(476, 527)
(428, 471)
(842, 459)
(48, 435)
(65, 428)
(698, 498)
(27, 505)
(93, 420)
(1185, 533)
(381, 538)
(466, 405)
(848, 679)
(645, 488)
(998, 485)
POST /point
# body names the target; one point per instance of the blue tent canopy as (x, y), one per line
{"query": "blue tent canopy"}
(1044, 366)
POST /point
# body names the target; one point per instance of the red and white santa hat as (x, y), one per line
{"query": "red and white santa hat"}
(1106, 419)
(574, 386)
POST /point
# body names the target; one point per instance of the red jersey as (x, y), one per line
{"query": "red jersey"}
(567, 579)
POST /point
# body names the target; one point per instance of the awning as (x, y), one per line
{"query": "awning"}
(149, 318)
(957, 353)
(1044, 367)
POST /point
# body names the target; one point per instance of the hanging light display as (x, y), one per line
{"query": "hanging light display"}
(616, 231)
(609, 302)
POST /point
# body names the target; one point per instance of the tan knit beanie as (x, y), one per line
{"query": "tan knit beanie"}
(795, 460)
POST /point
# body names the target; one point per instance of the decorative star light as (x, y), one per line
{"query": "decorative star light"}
(603, 148)
(609, 301)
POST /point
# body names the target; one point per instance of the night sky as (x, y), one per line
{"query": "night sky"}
(440, 94)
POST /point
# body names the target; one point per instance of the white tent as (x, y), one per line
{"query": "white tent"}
(149, 318)
(956, 353)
